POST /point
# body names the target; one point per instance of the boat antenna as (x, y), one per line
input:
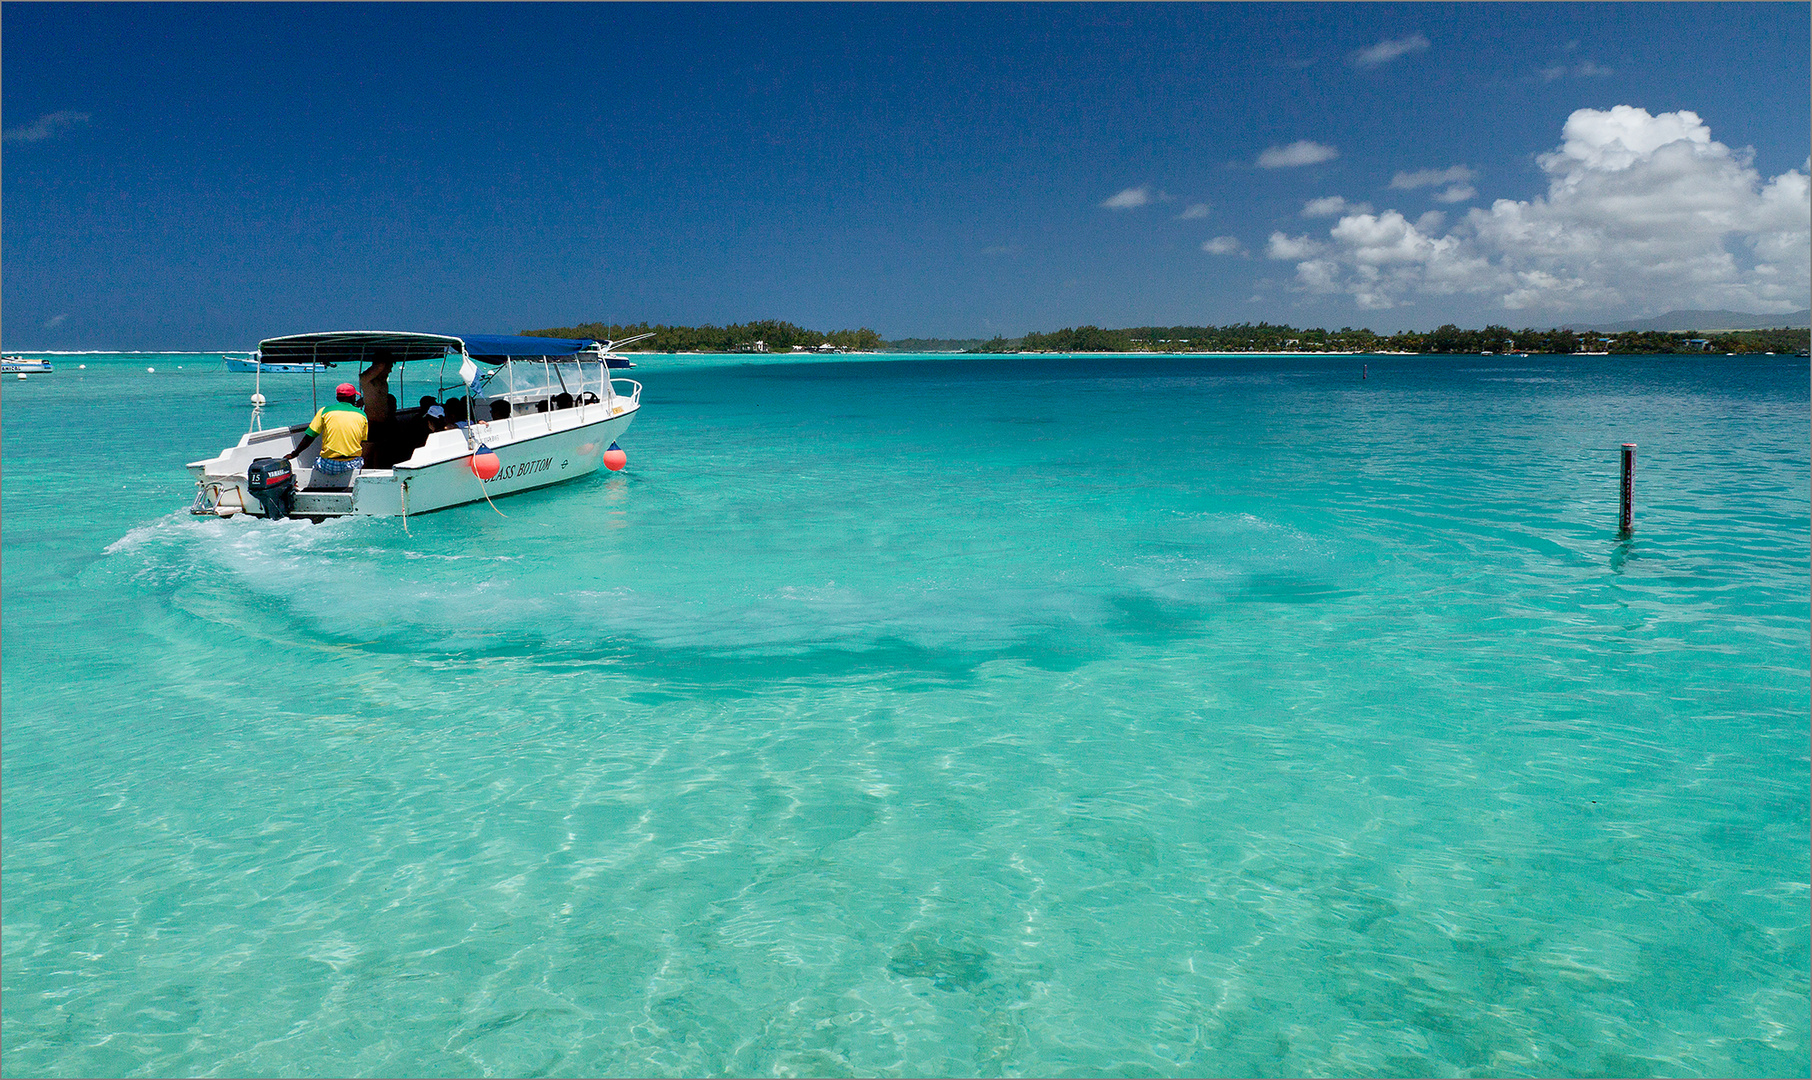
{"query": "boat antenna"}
(609, 348)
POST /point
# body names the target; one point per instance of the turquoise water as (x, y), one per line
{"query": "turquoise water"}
(946, 716)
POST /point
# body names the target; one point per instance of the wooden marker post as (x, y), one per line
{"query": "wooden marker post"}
(1626, 516)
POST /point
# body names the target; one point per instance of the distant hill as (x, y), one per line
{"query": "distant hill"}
(1678, 322)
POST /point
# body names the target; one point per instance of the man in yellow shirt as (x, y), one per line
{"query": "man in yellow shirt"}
(344, 433)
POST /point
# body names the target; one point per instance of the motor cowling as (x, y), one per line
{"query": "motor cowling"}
(273, 483)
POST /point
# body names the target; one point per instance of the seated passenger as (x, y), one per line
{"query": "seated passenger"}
(456, 410)
(500, 409)
(563, 400)
(412, 433)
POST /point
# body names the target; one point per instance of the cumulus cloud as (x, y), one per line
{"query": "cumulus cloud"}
(1194, 212)
(1290, 247)
(1457, 193)
(1386, 51)
(1302, 152)
(45, 126)
(1223, 245)
(1333, 205)
(1129, 199)
(1641, 211)
(1458, 174)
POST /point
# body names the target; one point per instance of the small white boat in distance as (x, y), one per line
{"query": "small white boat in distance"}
(10, 364)
(254, 364)
(547, 409)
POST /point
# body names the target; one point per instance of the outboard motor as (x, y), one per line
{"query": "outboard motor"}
(274, 483)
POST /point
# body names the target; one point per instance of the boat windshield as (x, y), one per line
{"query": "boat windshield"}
(526, 383)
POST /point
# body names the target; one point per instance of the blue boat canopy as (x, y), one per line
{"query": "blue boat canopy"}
(362, 346)
(496, 348)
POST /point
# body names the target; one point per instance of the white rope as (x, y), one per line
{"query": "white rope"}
(482, 486)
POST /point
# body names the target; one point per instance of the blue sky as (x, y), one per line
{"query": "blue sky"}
(198, 176)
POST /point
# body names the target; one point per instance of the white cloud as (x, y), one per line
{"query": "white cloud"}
(1386, 51)
(1223, 245)
(1615, 140)
(1129, 199)
(1457, 193)
(1302, 152)
(55, 321)
(1585, 69)
(1332, 205)
(1194, 212)
(1458, 174)
(1290, 247)
(45, 126)
(1641, 212)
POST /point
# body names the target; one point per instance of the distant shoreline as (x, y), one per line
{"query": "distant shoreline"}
(820, 357)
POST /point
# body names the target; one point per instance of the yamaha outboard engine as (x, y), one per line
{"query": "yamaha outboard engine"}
(272, 481)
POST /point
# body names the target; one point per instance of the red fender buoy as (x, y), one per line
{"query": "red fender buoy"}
(484, 462)
(615, 458)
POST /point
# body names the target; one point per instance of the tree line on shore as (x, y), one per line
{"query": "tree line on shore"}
(772, 334)
(779, 336)
(1267, 337)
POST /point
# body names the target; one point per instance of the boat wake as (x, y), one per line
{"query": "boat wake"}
(363, 580)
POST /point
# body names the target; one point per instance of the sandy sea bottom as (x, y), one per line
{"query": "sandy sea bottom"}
(943, 716)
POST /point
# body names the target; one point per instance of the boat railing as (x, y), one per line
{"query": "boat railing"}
(634, 393)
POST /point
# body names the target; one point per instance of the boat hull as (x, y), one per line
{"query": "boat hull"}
(535, 450)
(36, 366)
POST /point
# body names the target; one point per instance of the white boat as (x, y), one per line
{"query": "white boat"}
(546, 407)
(10, 364)
(255, 364)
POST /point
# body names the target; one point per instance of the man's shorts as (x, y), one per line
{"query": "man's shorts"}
(338, 466)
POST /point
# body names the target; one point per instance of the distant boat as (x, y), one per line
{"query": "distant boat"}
(253, 364)
(10, 364)
(615, 362)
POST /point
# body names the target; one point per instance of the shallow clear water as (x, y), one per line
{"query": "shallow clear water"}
(951, 716)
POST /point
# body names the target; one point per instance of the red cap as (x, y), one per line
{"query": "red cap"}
(346, 391)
